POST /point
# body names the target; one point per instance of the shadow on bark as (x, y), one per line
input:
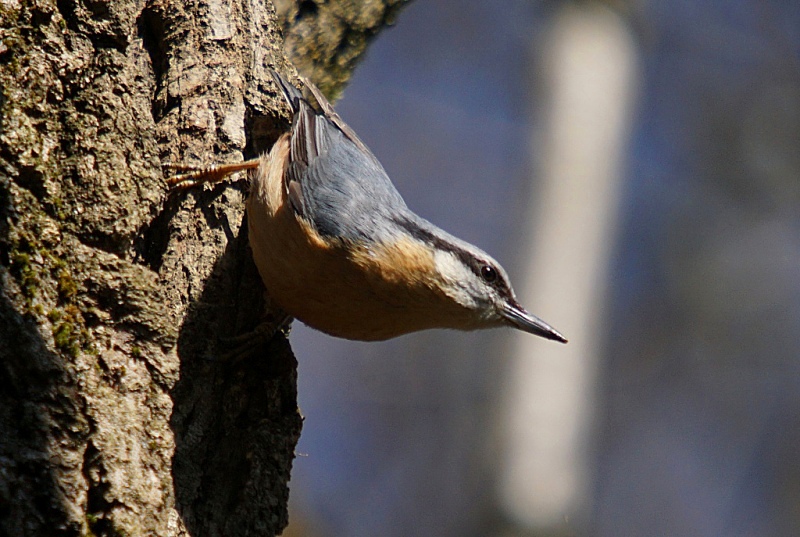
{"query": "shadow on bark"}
(33, 384)
(37, 405)
(235, 424)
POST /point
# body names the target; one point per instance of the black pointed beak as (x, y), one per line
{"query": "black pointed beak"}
(521, 319)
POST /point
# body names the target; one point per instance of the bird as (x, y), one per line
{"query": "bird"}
(338, 248)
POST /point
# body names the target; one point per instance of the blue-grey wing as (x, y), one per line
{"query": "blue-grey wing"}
(336, 183)
(333, 180)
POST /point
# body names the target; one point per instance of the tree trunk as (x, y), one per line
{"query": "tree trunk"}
(118, 415)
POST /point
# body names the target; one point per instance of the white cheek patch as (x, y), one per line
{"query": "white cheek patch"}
(459, 282)
(450, 267)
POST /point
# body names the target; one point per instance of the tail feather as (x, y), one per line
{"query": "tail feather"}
(292, 95)
(308, 132)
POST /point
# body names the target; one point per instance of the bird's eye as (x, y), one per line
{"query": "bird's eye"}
(488, 273)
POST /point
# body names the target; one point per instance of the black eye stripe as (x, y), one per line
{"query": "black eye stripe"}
(475, 265)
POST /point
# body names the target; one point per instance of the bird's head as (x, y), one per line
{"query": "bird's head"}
(477, 283)
(473, 287)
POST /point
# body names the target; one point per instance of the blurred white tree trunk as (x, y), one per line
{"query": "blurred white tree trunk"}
(589, 69)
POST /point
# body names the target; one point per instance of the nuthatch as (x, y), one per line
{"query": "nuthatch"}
(338, 248)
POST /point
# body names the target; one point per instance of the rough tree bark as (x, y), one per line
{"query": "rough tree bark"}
(116, 415)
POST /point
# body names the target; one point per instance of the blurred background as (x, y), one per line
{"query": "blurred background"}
(635, 165)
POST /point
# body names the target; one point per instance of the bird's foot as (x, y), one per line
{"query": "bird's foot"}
(247, 344)
(185, 176)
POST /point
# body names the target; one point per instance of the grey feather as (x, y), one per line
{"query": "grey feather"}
(344, 192)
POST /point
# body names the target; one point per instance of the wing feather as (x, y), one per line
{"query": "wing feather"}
(333, 180)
